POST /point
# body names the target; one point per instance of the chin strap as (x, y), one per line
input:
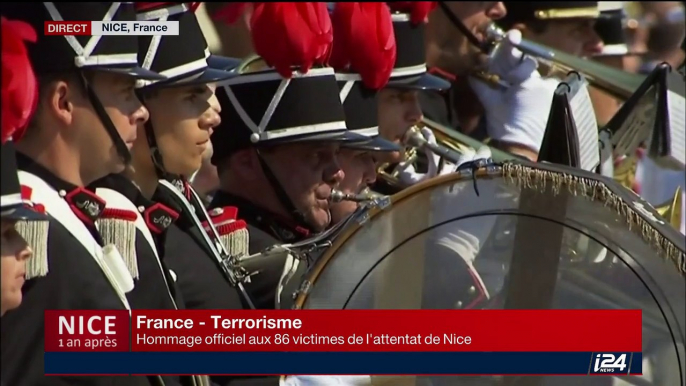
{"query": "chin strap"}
(119, 144)
(156, 155)
(281, 194)
(460, 26)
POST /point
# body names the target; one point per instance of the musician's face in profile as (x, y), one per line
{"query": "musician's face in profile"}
(399, 110)
(307, 173)
(359, 167)
(574, 36)
(15, 252)
(66, 111)
(447, 47)
(183, 119)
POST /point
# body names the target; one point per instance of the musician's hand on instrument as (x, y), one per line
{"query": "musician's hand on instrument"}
(519, 114)
(511, 64)
(407, 173)
(467, 156)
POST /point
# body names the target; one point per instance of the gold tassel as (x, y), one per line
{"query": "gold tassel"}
(36, 235)
(118, 227)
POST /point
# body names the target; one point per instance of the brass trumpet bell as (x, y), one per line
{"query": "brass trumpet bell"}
(671, 210)
(445, 137)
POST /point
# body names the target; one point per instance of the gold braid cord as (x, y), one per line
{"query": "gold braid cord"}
(526, 177)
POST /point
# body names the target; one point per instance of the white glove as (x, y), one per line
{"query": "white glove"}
(407, 173)
(518, 114)
(469, 155)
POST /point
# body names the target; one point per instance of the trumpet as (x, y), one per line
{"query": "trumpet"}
(450, 142)
(552, 63)
(415, 141)
(414, 138)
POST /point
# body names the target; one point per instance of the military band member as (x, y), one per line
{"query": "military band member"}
(15, 249)
(183, 110)
(18, 101)
(573, 27)
(169, 148)
(568, 26)
(398, 102)
(399, 106)
(359, 82)
(512, 116)
(276, 151)
(616, 52)
(82, 130)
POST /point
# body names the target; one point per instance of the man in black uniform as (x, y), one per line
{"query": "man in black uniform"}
(512, 114)
(359, 85)
(279, 165)
(174, 272)
(183, 110)
(398, 102)
(82, 130)
(15, 115)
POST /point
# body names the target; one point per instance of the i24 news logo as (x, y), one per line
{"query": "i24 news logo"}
(610, 364)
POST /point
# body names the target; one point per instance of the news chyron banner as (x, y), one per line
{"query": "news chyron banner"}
(374, 342)
(97, 28)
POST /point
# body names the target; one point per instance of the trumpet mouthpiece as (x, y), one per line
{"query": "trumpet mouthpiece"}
(338, 196)
(413, 137)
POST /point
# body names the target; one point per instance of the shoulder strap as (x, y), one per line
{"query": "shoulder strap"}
(215, 247)
(108, 260)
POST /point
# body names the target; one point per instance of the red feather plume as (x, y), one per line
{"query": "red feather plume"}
(286, 34)
(19, 84)
(418, 10)
(364, 41)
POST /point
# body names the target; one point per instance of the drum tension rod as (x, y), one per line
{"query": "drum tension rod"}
(472, 167)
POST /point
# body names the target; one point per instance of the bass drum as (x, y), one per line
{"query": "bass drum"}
(515, 236)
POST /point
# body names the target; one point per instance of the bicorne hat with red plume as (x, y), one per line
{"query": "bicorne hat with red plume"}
(409, 20)
(296, 98)
(363, 55)
(19, 99)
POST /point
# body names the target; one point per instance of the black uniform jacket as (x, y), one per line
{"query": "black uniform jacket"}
(74, 281)
(200, 279)
(266, 230)
(155, 288)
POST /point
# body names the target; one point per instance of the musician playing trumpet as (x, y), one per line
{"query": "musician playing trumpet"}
(363, 66)
(399, 108)
(513, 117)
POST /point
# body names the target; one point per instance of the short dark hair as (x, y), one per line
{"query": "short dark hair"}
(46, 80)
